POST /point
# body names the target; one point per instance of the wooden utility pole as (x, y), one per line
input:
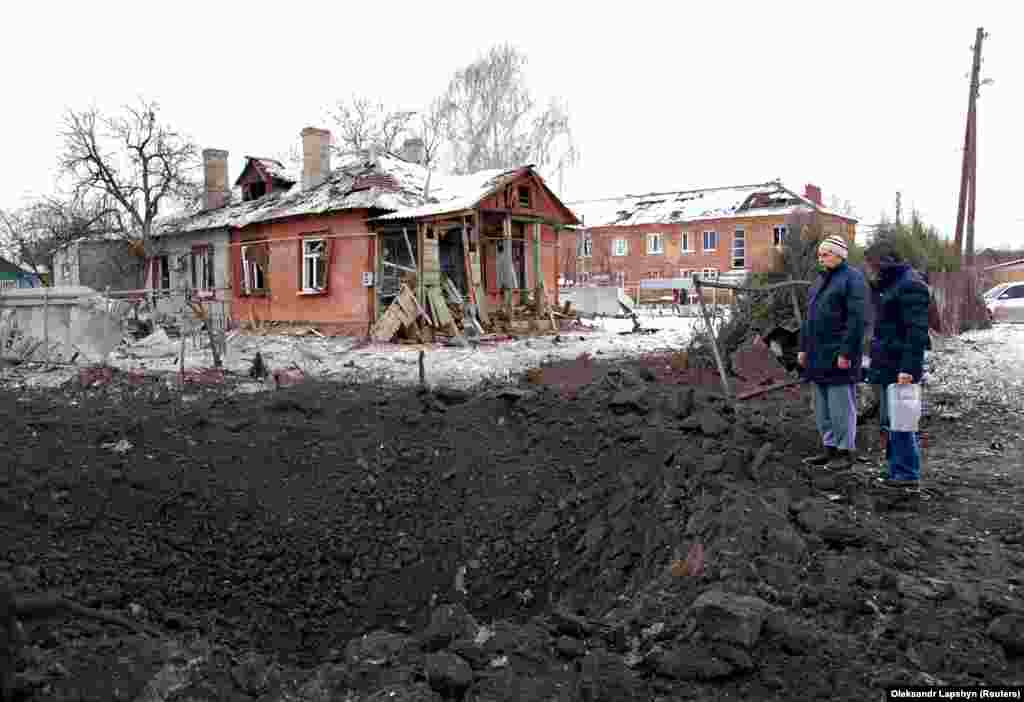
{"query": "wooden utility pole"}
(970, 158)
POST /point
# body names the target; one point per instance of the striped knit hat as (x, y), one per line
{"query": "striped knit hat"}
(835, 245)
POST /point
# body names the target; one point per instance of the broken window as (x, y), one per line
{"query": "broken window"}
(202, 268)
(254, 268)
(739, 249)
(254, 190)
(584, 245)
(619, 247)
(314, 265)
(524, 197)
(654, 275)
(779, 234)
(709, 274)
(710, 241)
(655, 244)
(686, 243)
(685, 273)
(160, 273)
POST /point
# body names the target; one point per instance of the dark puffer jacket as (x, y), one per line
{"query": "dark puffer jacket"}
(834, 326)
(901, 325)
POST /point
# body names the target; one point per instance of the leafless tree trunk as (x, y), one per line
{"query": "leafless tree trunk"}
(131, 160)
(362, 123)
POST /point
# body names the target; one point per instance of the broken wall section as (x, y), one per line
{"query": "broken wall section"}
(61, 324)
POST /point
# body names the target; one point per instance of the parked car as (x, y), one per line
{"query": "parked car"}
(1006, 303)
(994, 290)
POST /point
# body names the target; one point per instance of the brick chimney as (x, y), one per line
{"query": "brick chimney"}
(316, 156)
(414, 150)
(215, 178)
(813, 193)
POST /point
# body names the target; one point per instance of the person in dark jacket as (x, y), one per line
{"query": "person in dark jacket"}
(898, 344)
(831, 349)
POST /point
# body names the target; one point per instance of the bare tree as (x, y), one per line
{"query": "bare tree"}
(36, 232)
(431, 126)
(493, 121)
(362, 123)
(131, 160)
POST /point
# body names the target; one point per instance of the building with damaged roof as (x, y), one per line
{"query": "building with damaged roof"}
(710, 232)
(329, 247)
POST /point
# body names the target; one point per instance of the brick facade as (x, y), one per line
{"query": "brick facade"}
(641, 259)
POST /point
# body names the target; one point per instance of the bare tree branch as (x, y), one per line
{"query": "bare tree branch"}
(493, 121)
(128, 165)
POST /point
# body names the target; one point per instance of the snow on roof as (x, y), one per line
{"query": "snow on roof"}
(1006, 264)
(275, 169)
(693, 205)
(390, 184)
(451, 193)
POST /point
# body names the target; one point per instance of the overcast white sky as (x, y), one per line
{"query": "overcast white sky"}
(862, 101)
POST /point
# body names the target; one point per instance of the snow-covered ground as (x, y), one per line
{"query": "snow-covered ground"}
(348, 359)
(981, 365)
(984, 365)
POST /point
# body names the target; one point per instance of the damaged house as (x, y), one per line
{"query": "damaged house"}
(712, 232)
(333, 247)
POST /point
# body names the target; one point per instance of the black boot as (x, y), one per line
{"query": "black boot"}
(822, 458)
(843, 460)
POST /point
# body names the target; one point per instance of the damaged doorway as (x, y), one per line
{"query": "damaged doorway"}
(452, 257)
(394, 251)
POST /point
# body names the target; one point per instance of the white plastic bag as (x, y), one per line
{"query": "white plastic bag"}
(904, 406)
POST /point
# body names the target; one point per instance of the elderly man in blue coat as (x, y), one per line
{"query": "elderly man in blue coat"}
(831, 349)
(898, 345)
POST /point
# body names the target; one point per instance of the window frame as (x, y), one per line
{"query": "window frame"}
(249, 270)
(704, 240)
(585, 245)
(704, 274)
(615, 247)
(316, 270)
(779, 232)
(660, 238)
(684, 244)
(739, 253)
(201, 264)
(527, 202)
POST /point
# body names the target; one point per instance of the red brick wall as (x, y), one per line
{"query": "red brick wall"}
(346, 307)
(638, 264)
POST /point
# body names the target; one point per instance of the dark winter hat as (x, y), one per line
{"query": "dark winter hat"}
(882, 252)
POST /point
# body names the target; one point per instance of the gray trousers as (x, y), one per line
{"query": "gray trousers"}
(835, 413)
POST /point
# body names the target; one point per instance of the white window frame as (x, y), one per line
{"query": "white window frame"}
(309, 264)
(251, 274)
(779, 232)
(620, 247)
(714, 235)
(654, 275)
(684, 244)
(739, 248)
(658, 239)
(202, 261)
(584, 245)
(709, 274)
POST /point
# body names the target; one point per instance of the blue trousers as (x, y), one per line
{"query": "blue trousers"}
(902, 454)
(835, 413)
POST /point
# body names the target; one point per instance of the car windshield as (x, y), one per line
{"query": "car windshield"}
(992, 292)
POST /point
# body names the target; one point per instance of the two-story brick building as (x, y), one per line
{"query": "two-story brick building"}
(706, 232)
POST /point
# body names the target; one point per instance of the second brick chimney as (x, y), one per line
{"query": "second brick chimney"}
(215, 178)
(813, 193)
(316, 156)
